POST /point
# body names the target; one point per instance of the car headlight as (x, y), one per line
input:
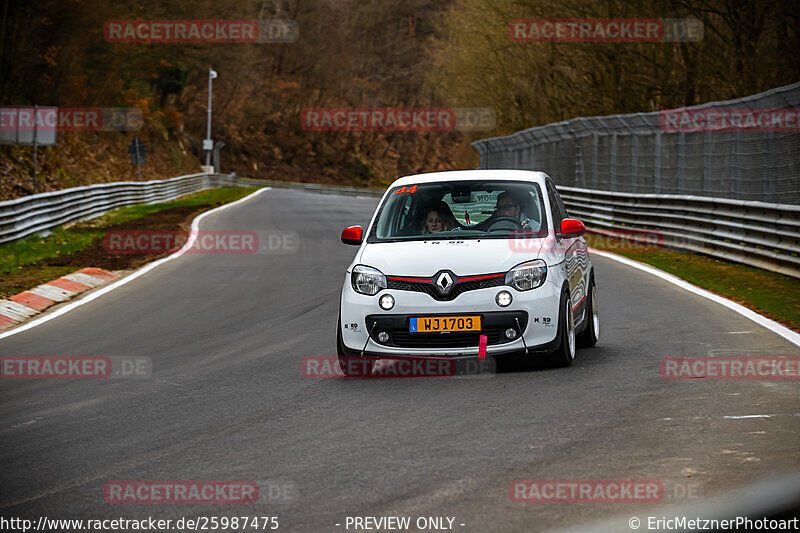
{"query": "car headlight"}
(527, 276)
(367, 280)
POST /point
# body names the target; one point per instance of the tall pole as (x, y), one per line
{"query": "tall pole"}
(211, 76)
(35, 146)
(138, 156)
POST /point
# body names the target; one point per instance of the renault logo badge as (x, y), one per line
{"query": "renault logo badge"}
(444, 281)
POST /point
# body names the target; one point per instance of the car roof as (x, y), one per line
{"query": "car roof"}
(466, 175)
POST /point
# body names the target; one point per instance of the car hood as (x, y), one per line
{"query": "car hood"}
(463, 258)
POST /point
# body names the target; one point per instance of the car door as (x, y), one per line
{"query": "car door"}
(575, 254)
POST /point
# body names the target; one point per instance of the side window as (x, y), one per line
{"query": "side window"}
(407, 221)
(560, 203)
(556, 205)
(390, 226)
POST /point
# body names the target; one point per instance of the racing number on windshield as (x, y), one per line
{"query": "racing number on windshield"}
(411, 190)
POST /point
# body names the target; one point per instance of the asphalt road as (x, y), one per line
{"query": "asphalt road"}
(227, 400)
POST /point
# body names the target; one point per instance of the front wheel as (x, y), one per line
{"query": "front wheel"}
(565, 353)
(591, 333)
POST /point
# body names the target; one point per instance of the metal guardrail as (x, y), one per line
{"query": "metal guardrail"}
(755, 233)
(39, 212)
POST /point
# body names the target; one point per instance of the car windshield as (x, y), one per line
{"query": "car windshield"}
(460, 210)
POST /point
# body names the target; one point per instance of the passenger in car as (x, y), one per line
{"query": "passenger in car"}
(438, 217)
(510, 205)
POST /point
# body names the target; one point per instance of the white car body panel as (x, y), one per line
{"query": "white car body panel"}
(424, 258)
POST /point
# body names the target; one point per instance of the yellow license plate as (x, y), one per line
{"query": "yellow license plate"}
(432, 324)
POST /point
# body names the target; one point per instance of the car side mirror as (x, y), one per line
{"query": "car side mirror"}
(352, 235)
(571, 228)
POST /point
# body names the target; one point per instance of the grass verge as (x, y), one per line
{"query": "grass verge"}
(773, 295)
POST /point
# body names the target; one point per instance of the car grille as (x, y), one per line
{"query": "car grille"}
(459, 287)
(405, 339)
(494, 325)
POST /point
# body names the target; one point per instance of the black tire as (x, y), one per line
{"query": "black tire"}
(339, 342)
(565, 353)
(591, 333)
(350, 363)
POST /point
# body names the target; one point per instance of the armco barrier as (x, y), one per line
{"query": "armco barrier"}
(755, 233)
(39, 212)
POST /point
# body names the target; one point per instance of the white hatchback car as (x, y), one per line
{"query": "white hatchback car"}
(468, 264)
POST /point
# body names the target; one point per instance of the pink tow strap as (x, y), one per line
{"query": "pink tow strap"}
(482, 347)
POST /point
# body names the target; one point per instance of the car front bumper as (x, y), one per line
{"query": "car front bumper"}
(536, 312)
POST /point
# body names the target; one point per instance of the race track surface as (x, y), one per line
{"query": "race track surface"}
(227, 401)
